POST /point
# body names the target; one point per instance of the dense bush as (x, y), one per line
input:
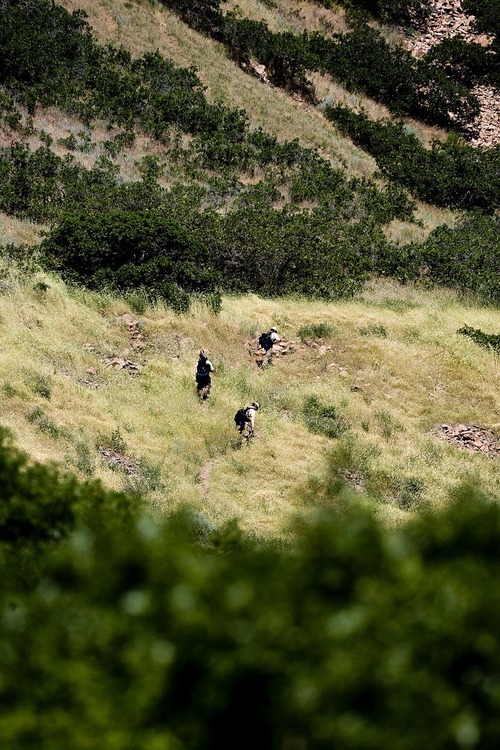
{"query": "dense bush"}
(389, 11)
(356, 636)
(466, 62)
(126, 250)
(450, 174)
(274, 252)
(46, 53)
(464, 257)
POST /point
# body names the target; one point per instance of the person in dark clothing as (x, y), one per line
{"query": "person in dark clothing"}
(203, 380)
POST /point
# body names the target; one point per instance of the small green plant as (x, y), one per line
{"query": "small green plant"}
(373, 329)
(138, 301)
(315, 331)
(117, 442)
(142, 477)
(410, 491)
(37, 416)
(388, 424)
(70, 142)
(40, 289)
(8, 390)
(488, 340)
(40, 385)
(323, 418)
(84, 462)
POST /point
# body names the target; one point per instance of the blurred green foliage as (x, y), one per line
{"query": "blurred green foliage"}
(133, 633)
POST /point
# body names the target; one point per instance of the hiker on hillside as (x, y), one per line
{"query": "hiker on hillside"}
(266, 342)
(203, 379)
(245, 419)
(268, 338)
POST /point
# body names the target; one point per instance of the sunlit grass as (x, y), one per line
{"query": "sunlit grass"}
(62, 401)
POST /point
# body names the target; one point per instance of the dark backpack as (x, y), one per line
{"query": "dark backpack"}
(202, 369)
(265, 341)
(241, 416)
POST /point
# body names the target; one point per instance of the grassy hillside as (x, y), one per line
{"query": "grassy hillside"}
(392, 365)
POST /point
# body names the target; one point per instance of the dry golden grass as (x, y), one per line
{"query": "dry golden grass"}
(142, 26)
(429, 217)
(61, 400)
(19, 232)
(291, 15)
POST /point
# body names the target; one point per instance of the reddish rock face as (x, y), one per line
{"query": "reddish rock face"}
(447, 19)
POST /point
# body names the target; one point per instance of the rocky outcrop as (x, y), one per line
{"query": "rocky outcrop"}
(446, 20)
(470, 438)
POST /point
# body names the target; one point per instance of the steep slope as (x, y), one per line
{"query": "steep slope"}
(82, 388)
(104, 384)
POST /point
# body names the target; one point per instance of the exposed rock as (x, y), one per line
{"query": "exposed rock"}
(119, 461)
(470, 437)
(133, 326)
(446, 20)
(121, 363)
(280, 349)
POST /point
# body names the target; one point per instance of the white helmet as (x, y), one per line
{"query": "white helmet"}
(255, 405)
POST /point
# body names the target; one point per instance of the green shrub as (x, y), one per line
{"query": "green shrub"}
(40, 385)
(466, 257)
(374, 329)
(410, 493)
(315, 331)
(132, 250)
(84, 462)
(488, 340)
(451, 174)
(323, 418)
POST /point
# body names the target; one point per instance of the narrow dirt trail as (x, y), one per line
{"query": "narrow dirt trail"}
(203, 478)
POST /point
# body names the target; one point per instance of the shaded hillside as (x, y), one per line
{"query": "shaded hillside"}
(245, 189)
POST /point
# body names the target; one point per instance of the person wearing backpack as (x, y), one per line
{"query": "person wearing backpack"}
(203, 379)
(268, 338)
(245, 419)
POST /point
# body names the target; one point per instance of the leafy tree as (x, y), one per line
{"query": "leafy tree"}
(127, 250)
